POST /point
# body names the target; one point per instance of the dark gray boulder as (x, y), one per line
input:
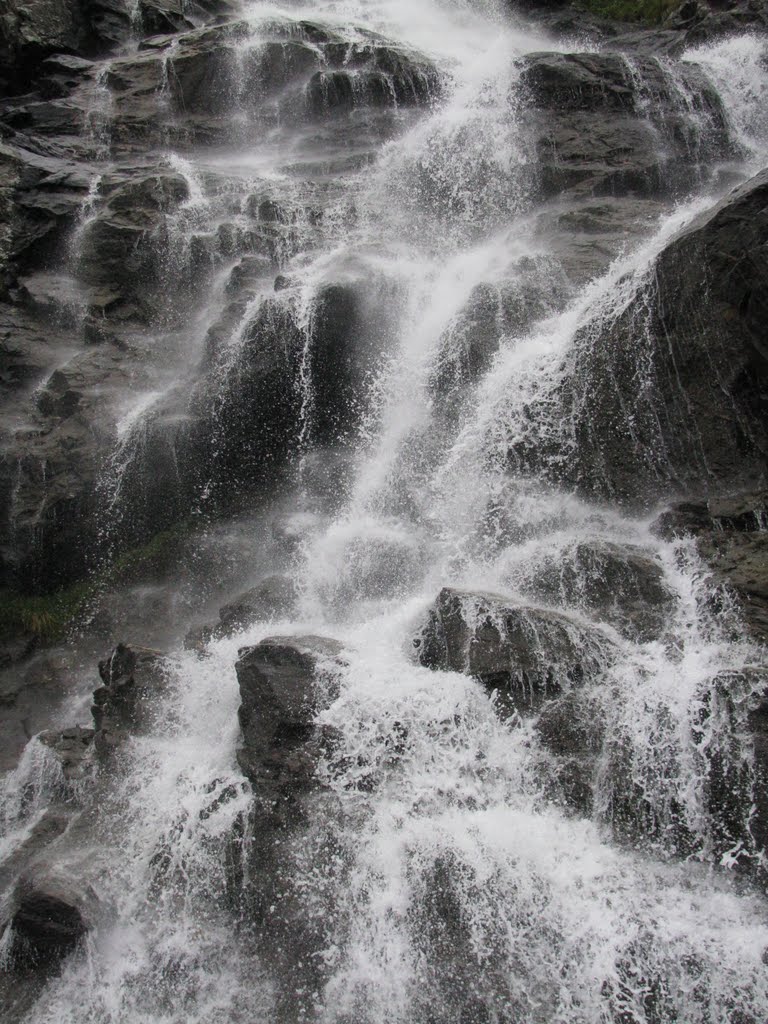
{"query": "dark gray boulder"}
(49, 918)
(668, 394)
(527, 654)
(132, 678)
(619, 584)
(284, 683)
(603, 124)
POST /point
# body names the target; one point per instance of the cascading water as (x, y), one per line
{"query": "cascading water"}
(445, 868)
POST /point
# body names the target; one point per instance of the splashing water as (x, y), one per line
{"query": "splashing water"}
(447, 879)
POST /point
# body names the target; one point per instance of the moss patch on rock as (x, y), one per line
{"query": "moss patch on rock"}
(45, 617)
(48, 617)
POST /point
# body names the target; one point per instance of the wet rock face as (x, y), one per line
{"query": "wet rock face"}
(608, 124)
(537, 287)
(120, 257)
(284, 683)
(529, 655)
(758, 724)
(704, 20)
(72, 747)
(297, 71)
(688, 357)
(349, 331)
(48, 921)
(30, 695)
(132, 678)
(30, 30)
(615, 583)
(571, 730)
(731, 537)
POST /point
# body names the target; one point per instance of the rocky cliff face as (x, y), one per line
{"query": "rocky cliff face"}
(428, 351)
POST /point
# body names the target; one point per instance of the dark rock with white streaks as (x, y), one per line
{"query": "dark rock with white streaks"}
(529, 655)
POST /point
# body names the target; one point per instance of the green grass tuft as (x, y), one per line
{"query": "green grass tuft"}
(48, 617)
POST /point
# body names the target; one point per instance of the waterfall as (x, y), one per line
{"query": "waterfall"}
(463, 856)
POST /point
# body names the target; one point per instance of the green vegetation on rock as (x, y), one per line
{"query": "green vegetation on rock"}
(48, 617)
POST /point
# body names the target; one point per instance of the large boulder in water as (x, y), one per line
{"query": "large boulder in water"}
(285, 681)
(669, 393)
(616, 583)
(527, 654)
